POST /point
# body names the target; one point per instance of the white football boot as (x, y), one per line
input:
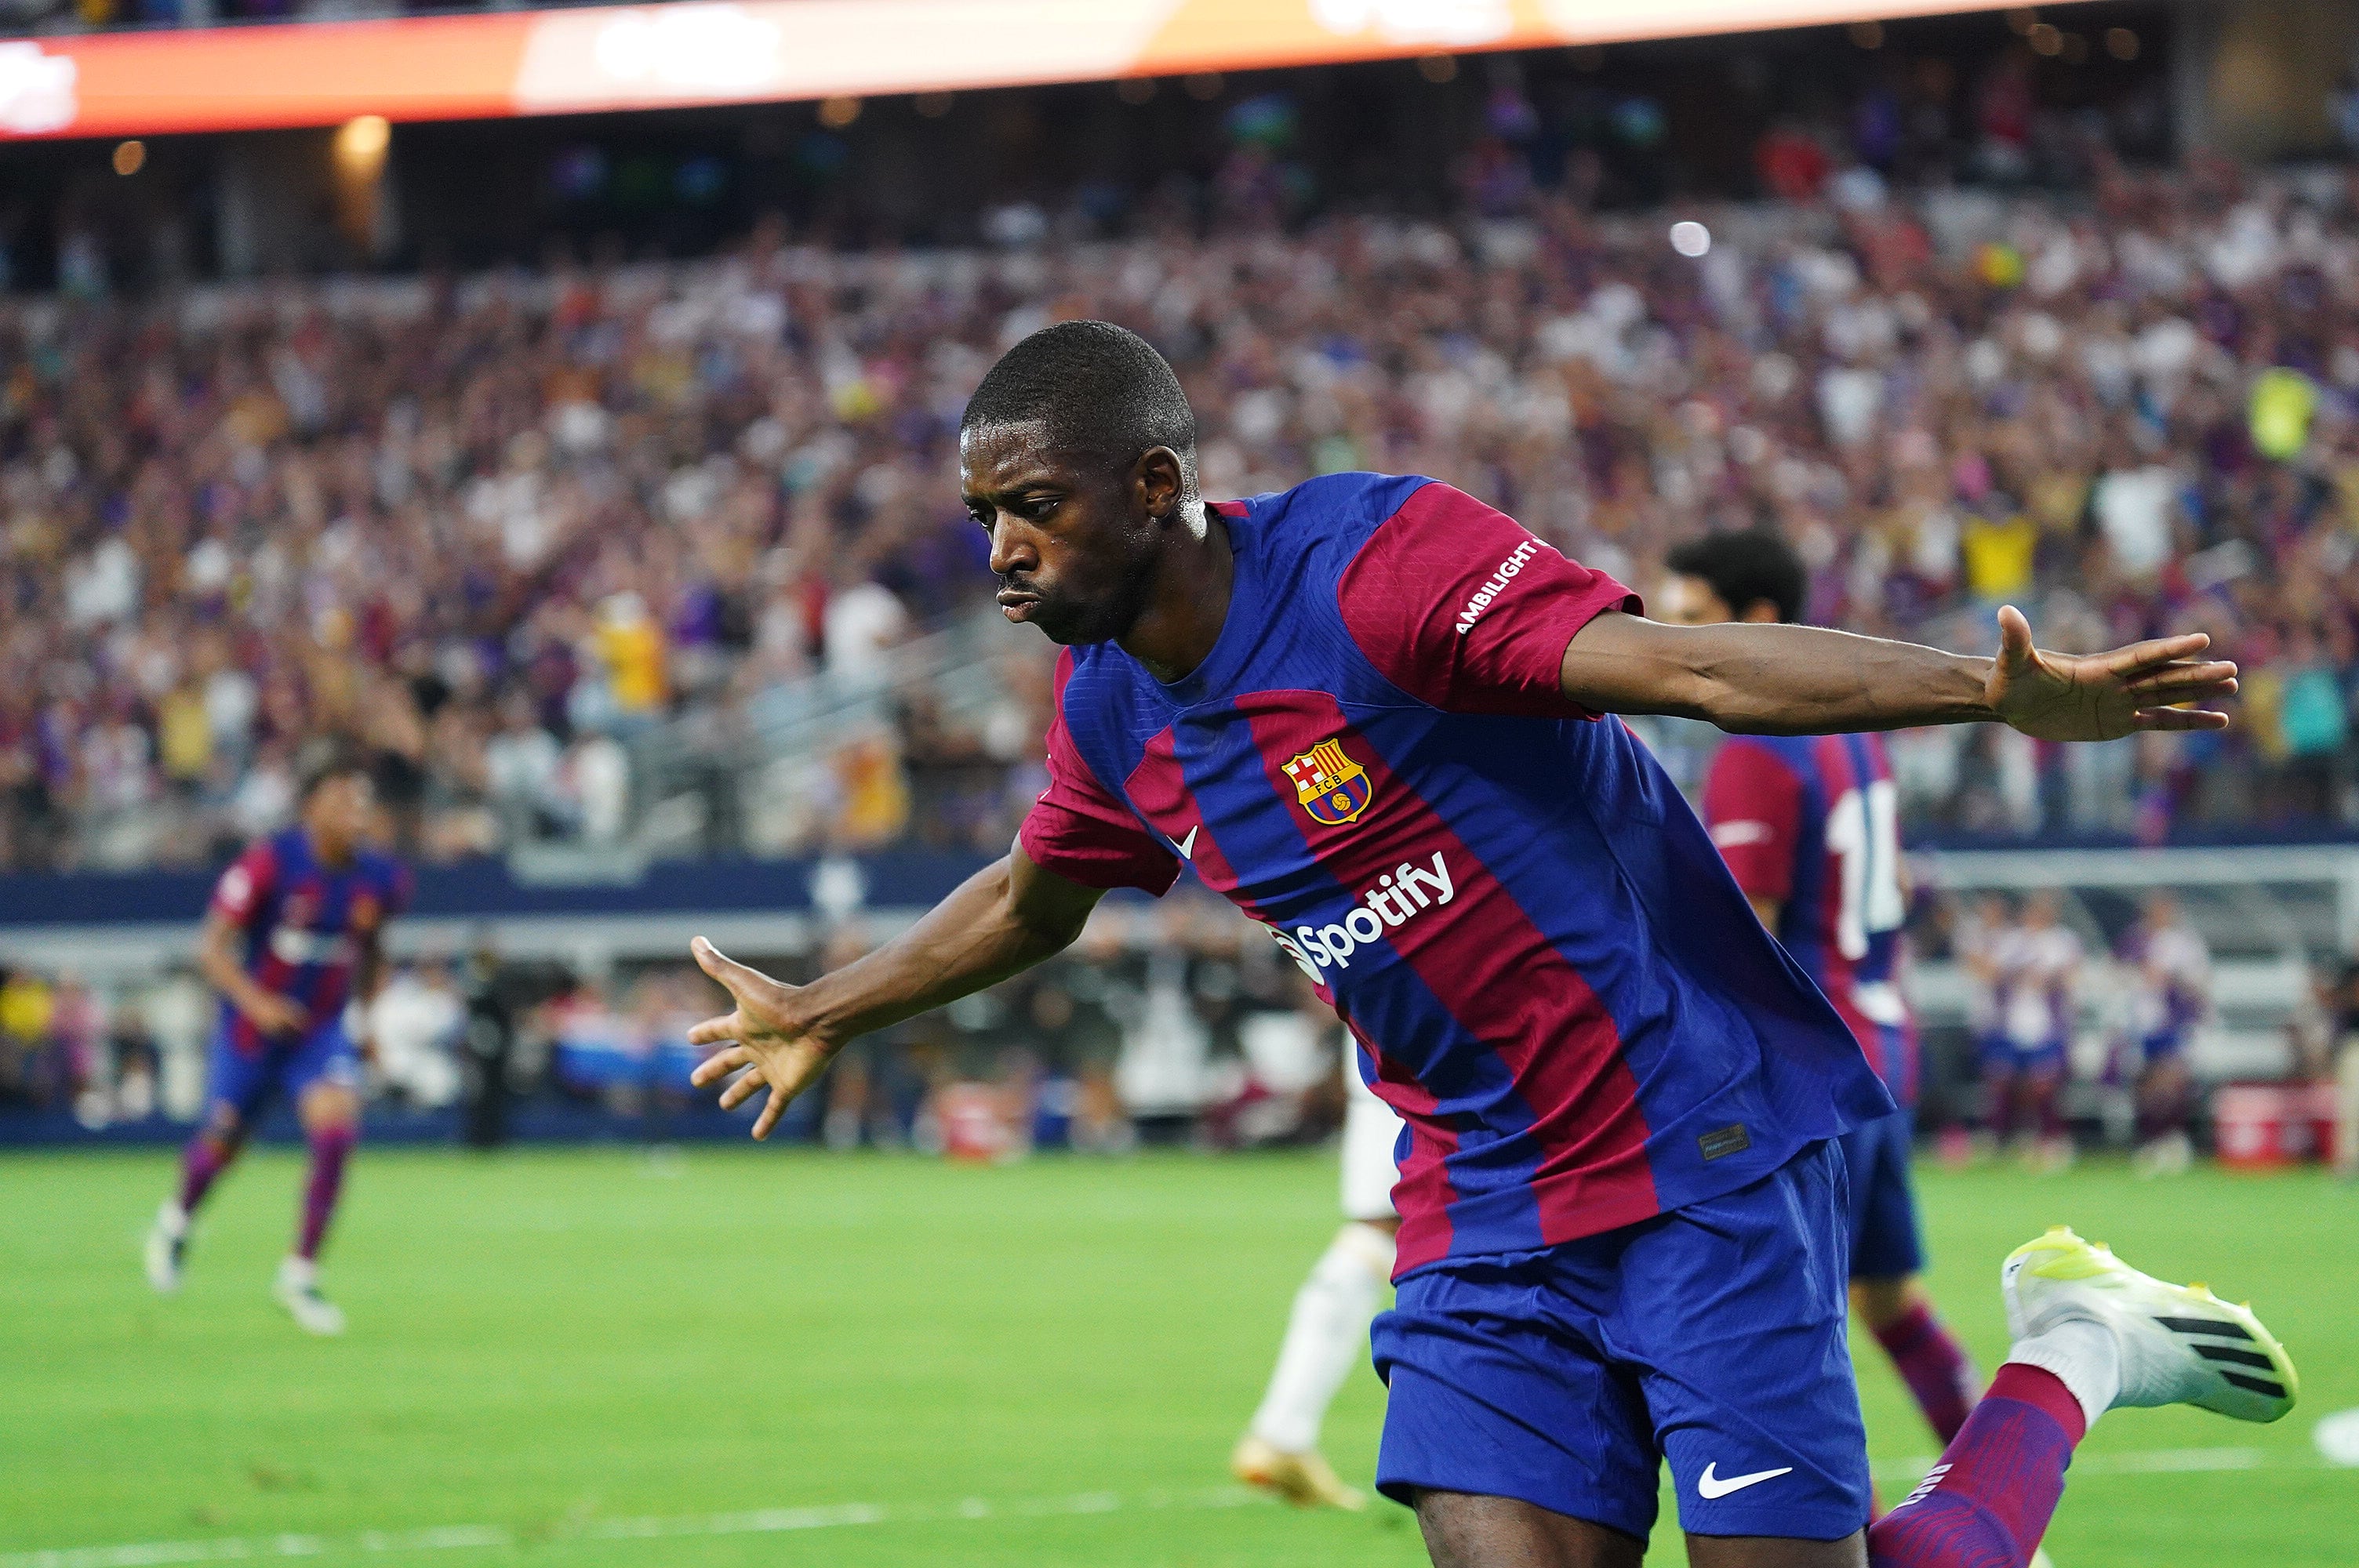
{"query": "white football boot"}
(167, 1248)
(298, 1290)
(2180, 1345)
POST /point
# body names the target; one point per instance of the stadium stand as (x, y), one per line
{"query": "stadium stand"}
(557, 542)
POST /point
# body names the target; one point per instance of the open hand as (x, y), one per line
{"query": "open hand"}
(2102, 697)
(765, 1039)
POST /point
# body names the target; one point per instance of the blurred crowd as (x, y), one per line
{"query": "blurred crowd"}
(552, 543)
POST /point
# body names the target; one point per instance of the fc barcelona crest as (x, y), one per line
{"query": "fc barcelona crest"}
(1331, 787)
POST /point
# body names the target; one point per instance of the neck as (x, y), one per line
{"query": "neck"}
(1188, 603)
(328, 851)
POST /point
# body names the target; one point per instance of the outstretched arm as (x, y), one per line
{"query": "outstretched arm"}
(1006, 918)
(1804, 680)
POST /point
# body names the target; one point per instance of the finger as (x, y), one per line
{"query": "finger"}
(2139, 657)
(2179, 718)
(737, 977)
(2183, 677)
(713, 1031)
(772, 1108)
(2186, 697)
(2013, 637)
(740, 1089)
(720, 1065)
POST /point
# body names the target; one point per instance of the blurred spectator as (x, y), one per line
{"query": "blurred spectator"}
(416, 1022)
(567, 545)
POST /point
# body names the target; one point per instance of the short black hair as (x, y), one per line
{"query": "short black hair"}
(323, 758)
(1744, 569)
(1102, 391)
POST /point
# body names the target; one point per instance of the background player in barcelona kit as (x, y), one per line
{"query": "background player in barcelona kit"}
(1622, 1239)
(1808, 825)
(294, 934)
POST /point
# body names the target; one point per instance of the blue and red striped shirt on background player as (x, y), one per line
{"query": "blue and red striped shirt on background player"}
(1812, 822)
(304, 922)
(1550, 974)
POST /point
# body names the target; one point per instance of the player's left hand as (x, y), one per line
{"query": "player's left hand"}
(2102, 697)
(761, 1035)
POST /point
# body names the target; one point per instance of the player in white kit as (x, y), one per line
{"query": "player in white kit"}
(2170, 1001)
(1327, 1332)
(2038, 967)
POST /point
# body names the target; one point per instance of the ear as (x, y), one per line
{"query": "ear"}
(1760, 612)
(1159, 481)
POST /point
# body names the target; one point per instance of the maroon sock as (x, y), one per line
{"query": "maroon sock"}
(2002, 1090)
(201, 1159)
(2162, 1110)
(329, 1150)
(1936, 1367)
(2048, 1096)
(1988, 1502)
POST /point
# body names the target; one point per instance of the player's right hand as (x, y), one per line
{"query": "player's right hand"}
(761, 1035)
(275, 1015)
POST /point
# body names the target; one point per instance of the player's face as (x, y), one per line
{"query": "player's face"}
(1074, 548)
(1689, 601)
(339, 813)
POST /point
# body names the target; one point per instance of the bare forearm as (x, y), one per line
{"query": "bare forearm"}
(1772, 680)
(973, 939)
(223, 971)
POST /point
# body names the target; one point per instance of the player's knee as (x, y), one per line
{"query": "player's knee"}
(328, 1106)
(224, 1132)
(1465, 1530)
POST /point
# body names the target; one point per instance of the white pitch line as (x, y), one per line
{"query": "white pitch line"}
(157, 1554)
(449, 1537)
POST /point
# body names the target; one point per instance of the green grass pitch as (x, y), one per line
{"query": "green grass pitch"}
(727, 1357)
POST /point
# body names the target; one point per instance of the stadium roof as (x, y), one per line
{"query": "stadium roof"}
(493, 64)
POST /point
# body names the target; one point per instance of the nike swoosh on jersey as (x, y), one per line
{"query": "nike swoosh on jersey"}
(1710, 1485)
(1187, 847)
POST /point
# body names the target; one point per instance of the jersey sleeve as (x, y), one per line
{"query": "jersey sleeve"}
(1753, 806)
(1462, 607)
(245, 886)
(1080, 832)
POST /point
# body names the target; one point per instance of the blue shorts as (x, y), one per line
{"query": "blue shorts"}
(1884, 1244)
(1712, 1337)
(2003, 1058)
(247, 1084)
(2162, 1045)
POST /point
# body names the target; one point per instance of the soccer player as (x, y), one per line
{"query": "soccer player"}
(2038, 961)
(1373, 713)
(1810, 826)
(295, 933)
(1328, 1327)
(1976, 935)
(2170, 999)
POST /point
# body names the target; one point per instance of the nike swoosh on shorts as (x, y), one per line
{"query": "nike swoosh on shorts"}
(1710, 1485)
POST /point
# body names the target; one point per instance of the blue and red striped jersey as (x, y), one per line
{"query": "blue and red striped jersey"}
(304, 922)
(1813, 821)
(1550, 975)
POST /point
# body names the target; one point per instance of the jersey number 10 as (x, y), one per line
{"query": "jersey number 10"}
(1864, 832)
